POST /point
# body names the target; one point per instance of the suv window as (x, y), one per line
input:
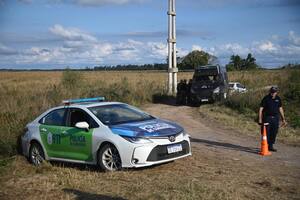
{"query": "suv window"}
(77, 115)
(55, 118)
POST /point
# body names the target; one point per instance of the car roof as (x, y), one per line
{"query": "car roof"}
(87, 105)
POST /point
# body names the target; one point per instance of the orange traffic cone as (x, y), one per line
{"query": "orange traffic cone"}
(264, 143)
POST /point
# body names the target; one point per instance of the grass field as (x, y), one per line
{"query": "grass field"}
(24, 95)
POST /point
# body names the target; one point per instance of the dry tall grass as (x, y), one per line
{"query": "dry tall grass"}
(25, 95)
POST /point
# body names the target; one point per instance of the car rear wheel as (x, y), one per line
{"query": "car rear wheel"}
(36, 154)
(109, 158)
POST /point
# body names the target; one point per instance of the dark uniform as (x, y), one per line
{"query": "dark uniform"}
(271, 115)
(188, 94)
(179, 95)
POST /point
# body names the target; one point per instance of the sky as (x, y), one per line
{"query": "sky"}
(47, 34)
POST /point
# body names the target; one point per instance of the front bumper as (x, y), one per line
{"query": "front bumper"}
(156, 152)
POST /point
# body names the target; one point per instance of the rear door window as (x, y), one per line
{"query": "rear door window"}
(55, 118)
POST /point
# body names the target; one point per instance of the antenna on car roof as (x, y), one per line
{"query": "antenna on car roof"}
(83, 100)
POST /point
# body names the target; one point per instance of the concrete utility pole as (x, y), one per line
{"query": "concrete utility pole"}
(172, 70)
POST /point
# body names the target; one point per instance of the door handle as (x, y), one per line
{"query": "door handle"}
(43, 129)
(64, 132)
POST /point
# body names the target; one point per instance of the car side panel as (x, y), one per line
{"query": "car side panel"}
(77, 144)
(51, 139)
(125, 148)
(67, 142)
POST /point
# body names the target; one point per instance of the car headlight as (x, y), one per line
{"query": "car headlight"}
(137, 140)
(185, 134)
(217, 90)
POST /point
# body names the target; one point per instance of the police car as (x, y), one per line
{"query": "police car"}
(111, 135)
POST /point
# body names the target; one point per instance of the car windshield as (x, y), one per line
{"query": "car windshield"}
(119, 114)
(207, 78)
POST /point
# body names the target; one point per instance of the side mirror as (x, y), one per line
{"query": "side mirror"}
(82, 125)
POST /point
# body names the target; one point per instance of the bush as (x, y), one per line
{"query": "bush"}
(248, 103)
(71, 79)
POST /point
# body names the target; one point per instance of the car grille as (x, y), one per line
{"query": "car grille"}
(207, 93)
(160, 152)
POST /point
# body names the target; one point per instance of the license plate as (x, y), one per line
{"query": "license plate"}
(174, 148)
(204, 100)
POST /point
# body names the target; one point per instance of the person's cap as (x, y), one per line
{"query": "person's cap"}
(274, 89)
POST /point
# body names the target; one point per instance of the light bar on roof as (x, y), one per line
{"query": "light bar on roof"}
(84, 100)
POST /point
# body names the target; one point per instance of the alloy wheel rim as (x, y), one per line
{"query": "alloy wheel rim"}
(111, 159)
(36, 156)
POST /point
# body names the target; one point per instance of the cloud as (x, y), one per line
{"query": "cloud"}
(87, 2)
(197, 48)
(76, 47)
(274, 51)
(294, 39)
(210, 4)
(7, 51)
(164, 34)
(71, 33)
(26, 1)
(105, 2)
(267, 46)
(79, 47)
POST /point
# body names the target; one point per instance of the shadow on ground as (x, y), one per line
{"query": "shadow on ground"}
(168, 100)
(80, 195)
(226, 145)
(164, 99)
(96, 168)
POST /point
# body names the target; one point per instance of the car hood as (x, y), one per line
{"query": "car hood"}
(149, 128)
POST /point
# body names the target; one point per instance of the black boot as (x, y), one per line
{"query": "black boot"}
(271, 148)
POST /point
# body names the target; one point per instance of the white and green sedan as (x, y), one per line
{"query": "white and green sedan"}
(111, 135)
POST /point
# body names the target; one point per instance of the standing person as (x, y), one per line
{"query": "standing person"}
(188, 94)
(269, 111)
(184, 93)
(179, 92)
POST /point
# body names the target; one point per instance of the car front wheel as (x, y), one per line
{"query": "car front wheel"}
(109, 158)
(36, 154)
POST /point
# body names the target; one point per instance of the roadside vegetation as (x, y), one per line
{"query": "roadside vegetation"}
(25, 95)
(258, 84)
(240, 110)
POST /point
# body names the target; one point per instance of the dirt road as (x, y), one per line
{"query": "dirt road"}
(211, 140)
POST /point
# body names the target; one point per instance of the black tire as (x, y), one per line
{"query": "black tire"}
(109, 158)
(36, 154)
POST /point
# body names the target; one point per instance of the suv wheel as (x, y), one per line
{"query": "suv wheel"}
(109, 158)
(36, 154)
